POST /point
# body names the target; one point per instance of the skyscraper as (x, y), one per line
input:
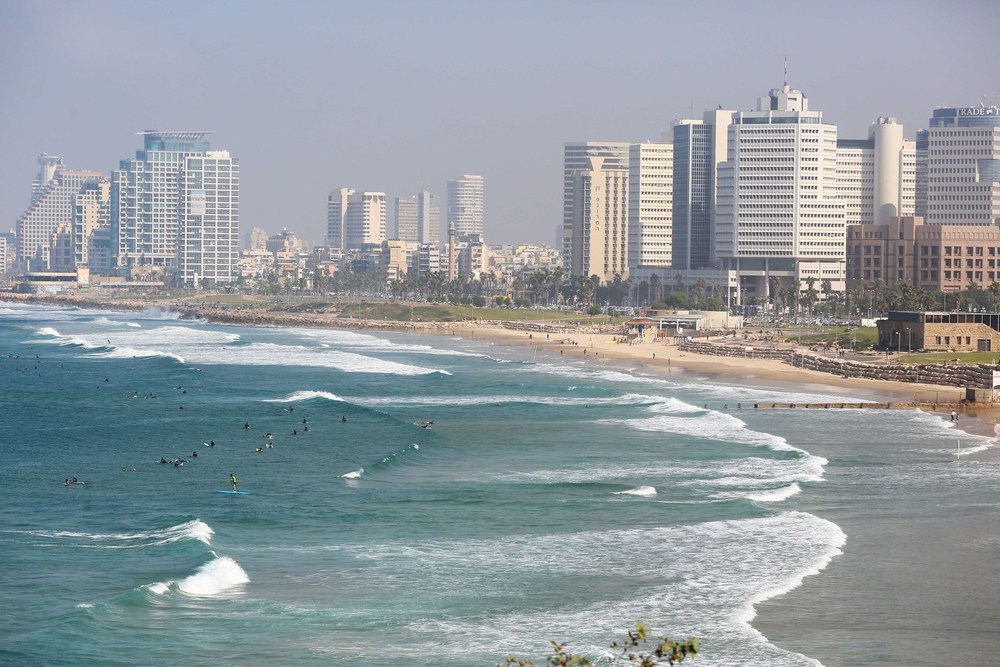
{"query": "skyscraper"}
(48, 165)
(91, 212)
(576, 157)
(355, 219)
(600, 221)
(418, 219)
(51, 208)
(208, 244)
(146, 199)
(699, 147)
(465, 205)
(778, 215)
(963, 166)
(650, 209)
(876, 176)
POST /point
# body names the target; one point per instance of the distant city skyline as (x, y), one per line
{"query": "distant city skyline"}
(444, 88)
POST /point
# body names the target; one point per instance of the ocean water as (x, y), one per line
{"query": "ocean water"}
(549, 499)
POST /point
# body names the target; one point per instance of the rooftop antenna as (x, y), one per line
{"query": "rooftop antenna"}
(786, 73)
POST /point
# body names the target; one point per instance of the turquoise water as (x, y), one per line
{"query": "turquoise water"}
(549, 499)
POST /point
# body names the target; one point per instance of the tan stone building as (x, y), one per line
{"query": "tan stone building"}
(946, 258)
(961, 332)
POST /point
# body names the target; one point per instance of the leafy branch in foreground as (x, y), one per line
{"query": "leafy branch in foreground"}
(666, 652)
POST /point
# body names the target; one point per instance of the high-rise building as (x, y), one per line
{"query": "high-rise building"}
(576, 158)
(48, 166)
(963, 166)
(355, 219)
(209, 230)
(465, 205)
(336, 216)
(364, 224)
(777, 211)
(418, 219)
(91, 211)
(876, 176)
(146, 199)
(599, 238)
(650, 210)
(699, 147)
(50, 209)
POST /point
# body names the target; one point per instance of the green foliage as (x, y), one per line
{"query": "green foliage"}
(594, 310)
(629, 652)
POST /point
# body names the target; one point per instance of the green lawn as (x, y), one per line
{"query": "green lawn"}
(942, 357)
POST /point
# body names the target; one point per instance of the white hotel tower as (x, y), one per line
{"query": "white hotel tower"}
(778, 213)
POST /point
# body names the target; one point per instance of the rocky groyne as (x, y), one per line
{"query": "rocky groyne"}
(950, 375)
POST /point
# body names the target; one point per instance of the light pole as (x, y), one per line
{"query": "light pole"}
(909, 341)
(898, 344)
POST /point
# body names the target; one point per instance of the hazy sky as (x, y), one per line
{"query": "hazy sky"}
(402, 96)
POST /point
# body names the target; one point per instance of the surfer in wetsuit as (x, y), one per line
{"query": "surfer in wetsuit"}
(343, 420)
(246, 426)
(232, 478)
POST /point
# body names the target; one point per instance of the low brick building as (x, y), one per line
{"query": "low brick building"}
(962, 332)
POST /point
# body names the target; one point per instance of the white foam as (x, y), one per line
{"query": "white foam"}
(304, 396)
(644, 491)
(354, 474)
(195, 529)
(775, 495)
(214, 577)
(135, 353)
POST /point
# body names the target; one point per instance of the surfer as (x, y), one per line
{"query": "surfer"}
(72, 480)
(294, 432)
(259, 449)
(211, 443)
(343, 419)
(193, 454)
(232, 478)
(246, 426)
(162, 460)
(426, 424)
(305, 428)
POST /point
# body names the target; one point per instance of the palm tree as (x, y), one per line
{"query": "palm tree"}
(654, 284)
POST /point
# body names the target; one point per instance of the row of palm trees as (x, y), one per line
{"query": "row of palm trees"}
(552, 287)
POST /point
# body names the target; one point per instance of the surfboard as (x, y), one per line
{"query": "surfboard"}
(233, 493)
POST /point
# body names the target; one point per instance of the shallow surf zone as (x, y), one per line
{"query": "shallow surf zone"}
(698, 580)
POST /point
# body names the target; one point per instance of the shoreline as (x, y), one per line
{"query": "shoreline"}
(585, 343)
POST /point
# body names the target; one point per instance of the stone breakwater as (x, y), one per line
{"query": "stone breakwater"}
(979, 376)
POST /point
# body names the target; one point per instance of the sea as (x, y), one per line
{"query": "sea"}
(439, 500)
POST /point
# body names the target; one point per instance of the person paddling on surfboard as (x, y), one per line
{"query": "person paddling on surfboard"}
(232, 478)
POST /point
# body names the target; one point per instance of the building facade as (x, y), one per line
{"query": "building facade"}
(963, 166)
(51, 209)
(945, 258)
(208, 243)
(146, 199)
(91, 212)
(699, 147)
(599, 239)
(418, 219)
(876, 177)
(650, 210)
(576, 158)
(778, 214)
(466, 205)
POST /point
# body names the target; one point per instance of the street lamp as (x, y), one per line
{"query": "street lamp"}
(898, 344)
(909, 340)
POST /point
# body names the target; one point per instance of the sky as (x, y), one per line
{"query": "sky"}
(403, 96)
